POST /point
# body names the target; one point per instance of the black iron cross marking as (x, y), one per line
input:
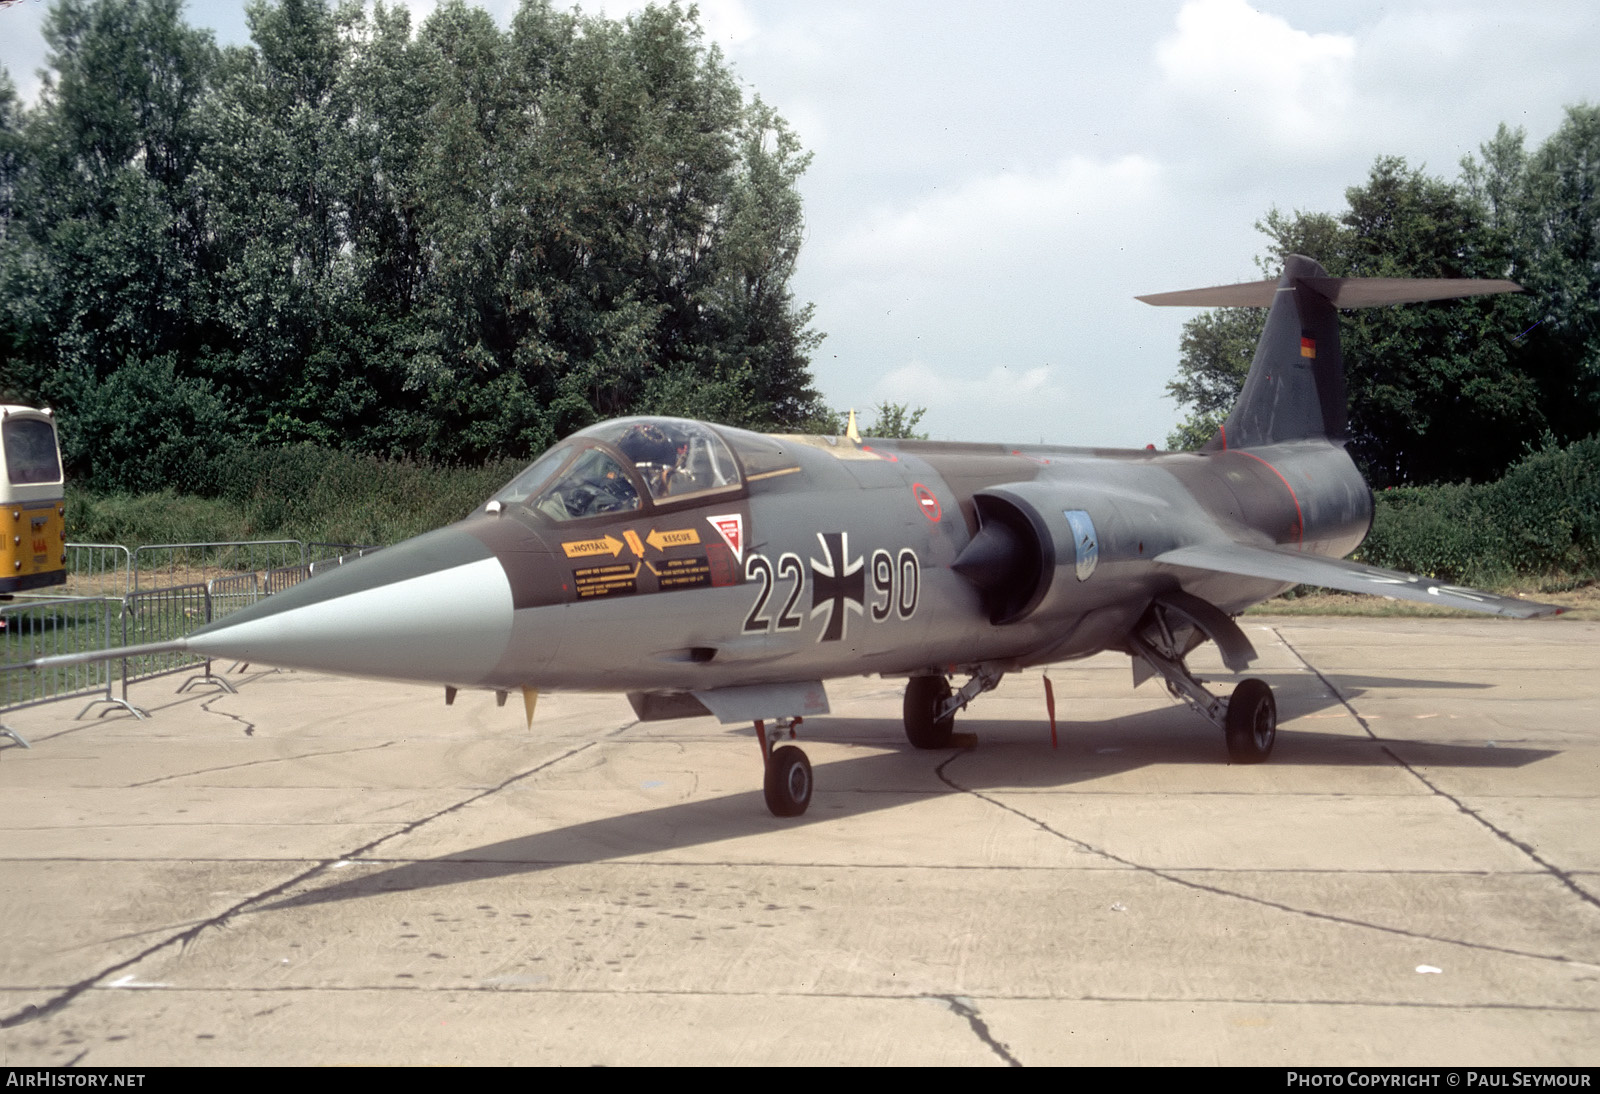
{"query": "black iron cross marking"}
(838, 585)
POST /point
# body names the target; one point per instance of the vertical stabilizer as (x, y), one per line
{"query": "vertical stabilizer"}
(1295, 389)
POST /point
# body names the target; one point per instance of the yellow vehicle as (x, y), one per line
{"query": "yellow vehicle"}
(33, 553)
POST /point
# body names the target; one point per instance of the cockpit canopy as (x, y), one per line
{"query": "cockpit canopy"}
(615, 466)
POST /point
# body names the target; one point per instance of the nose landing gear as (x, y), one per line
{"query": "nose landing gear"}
(787, 784)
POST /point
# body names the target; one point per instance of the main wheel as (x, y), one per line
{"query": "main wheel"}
(788, 782)
(924, 696)
(1252, 722)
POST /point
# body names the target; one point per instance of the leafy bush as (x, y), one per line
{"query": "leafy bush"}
(1542, 520)
(146, 428)
(1547, 509)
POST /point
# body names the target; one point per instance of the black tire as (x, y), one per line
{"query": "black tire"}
(924, 694)
(1252, 722)
(788, 782)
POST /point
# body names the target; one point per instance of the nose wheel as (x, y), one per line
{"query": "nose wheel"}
(787, 784)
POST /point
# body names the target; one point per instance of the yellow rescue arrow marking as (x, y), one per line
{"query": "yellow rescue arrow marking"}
(633, 541)
(677, 537)
(583, 548)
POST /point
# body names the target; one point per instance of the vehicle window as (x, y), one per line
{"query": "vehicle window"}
(30, 447)
(534, 476)
(594, 484)
(675, 458)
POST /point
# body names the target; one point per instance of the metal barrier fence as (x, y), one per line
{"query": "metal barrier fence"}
(160, 615)
(98, 569)
(275, 581)
(228, 594)
(167, 565)
(44, 628)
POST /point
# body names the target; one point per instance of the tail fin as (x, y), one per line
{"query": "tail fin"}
(1295, 389)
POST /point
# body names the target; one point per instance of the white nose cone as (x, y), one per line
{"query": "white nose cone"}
(448, 626)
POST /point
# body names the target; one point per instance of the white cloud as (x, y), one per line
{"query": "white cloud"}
(1250, 69)
(996, 212)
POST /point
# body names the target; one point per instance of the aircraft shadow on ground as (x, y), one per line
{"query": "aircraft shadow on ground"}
(1012, 755)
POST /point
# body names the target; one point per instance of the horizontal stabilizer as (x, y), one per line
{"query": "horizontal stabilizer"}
(1274, 564)
(1341, 292)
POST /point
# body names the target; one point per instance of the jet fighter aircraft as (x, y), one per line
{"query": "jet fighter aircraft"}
(709, 570)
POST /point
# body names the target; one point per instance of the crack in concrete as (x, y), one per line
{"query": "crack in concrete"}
(1543, 863)
(30, 1011)
(953, 1001)
(258, 763)
(964, 1008)
(249, 727)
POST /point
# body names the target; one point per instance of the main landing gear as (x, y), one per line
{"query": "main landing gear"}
(930, 706)
(1251, 724)
(787, 785)
(1248, 719)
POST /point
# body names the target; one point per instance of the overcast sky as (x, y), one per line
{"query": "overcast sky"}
(993, 183)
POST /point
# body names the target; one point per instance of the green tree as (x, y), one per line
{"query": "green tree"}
(282, 179)
(762, 329)
(1547, 208)
(612, 231)
(1437, 393)
(104, 249)
(18, 298)
(896, 420)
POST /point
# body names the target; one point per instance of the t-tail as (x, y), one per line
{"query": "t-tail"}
(1295, 389)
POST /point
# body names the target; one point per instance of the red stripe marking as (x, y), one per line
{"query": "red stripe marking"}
(1223, 429)
(1299, 518)
(1050, 706)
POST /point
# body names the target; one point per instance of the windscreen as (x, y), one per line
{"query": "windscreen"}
(30, 446)
(592, 485)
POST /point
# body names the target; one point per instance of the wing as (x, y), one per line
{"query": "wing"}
(1302, 569)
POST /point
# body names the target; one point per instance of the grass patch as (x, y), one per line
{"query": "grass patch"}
(301, 492)
(1581, 603)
